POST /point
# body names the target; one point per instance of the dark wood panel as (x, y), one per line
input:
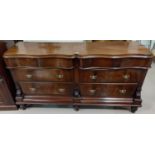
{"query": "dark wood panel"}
(46, 88)
(7, 90)
(116, 62)
(11, 62)
(1, 100)
(56, 63)
(27, 62)
(112, 75)
(43, 75)
(108, 90)
(21, 62)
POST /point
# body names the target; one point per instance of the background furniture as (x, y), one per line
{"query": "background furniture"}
(7, 89)
(79, 74)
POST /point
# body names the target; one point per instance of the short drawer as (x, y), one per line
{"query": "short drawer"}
(46, 88)
(114, 62)
(56, 62)
(43, 75)
(112, 75)
(21, 62)
(108, 90)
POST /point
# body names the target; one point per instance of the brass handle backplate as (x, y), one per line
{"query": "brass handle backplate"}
(126, 76)
(59, 76)
(29, 76)
(122, 91)
(32, 89)
(92, 91)
(61, 90)
(93, 77)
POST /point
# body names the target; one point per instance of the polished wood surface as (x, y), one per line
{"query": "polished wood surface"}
(79, 74)
(54, 75)
(46, 88)
(115, 62)
(108, 90)
(27, 49)
(39, 62)
(112, 75)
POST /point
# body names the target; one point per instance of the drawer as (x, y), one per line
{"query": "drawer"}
(108, 90)
(46, 88)
(39, 62)
(43, 75)
(112, 75)
(56, 62)
(21, 62)
(114, 62)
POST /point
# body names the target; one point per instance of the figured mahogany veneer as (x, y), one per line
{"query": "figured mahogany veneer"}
(115, 62)
(108, 90)
(40, 62)
(78, 74)
(46, 88)
(57, 75)
(112, 75)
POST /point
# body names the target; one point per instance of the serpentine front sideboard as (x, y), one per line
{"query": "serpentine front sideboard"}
(79, 74)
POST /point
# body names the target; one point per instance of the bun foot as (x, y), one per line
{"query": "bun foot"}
(76, 108)
(134, 109)
(23, 106)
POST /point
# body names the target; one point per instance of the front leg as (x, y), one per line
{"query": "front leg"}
(23, 106)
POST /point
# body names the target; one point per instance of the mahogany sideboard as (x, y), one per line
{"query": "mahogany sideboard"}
(7, 88)
(79, 74)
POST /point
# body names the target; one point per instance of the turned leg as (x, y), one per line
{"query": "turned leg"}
(76, 108)
(134, 109)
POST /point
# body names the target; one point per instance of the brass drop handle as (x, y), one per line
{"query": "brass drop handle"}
(33, 89)
(126, 76)
(122, 91)
(92, 91)
(29, 76)
(61, 90)
(93, 77)
(59, 76)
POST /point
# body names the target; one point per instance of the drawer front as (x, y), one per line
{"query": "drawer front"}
(115, 62)
(39, 62)
(46, 88)
(21, 62)
(108, 90)
(115, 75)
(56, 63)
(43, 75)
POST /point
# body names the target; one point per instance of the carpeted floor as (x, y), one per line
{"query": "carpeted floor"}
(148, 96)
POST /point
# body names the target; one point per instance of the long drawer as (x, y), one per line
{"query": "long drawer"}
(108, 90)
(39, 62)
(46, 88)
(114, 62)
(57, 75)
(112, 75)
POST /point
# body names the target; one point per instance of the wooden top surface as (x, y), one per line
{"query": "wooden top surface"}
(81, 49)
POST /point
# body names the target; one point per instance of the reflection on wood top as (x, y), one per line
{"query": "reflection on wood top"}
(79, 49)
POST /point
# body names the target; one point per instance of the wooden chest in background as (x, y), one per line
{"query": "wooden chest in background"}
(7, 88)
